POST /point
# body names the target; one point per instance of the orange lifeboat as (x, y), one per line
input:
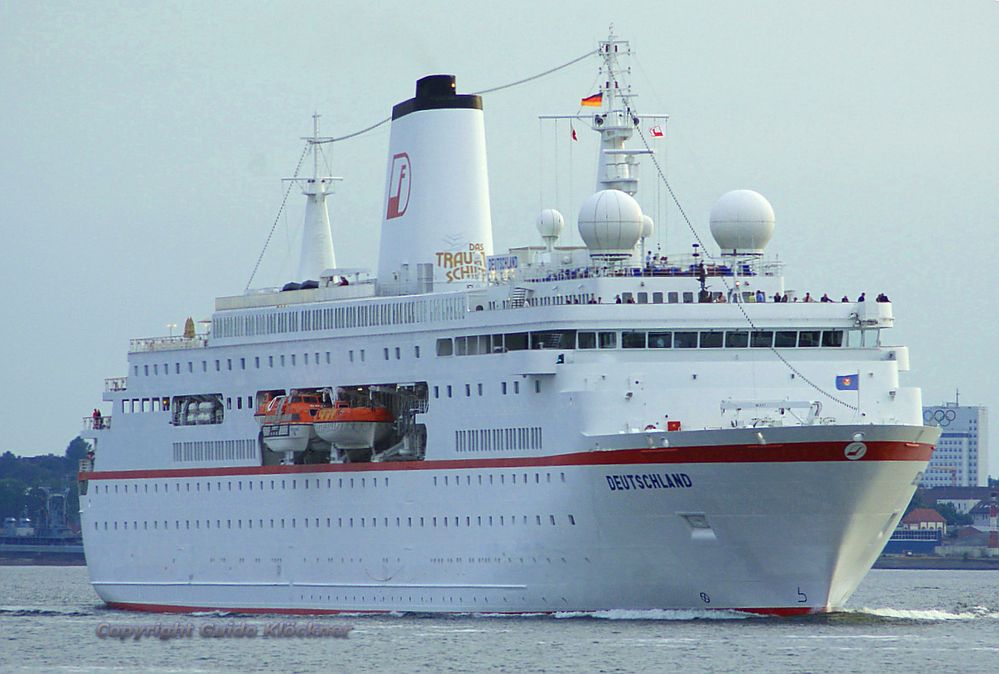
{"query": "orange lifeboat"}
(354, 427)
(287, 423)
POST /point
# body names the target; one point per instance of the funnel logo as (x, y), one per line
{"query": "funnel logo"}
(399, 182)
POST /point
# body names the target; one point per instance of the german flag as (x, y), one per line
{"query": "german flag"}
(594, 101)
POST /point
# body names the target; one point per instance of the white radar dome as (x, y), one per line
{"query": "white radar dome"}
(550, 224)
(742, 222)
(610, 224)
(648, 226)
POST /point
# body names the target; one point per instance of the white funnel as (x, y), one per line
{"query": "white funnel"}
(437, 191)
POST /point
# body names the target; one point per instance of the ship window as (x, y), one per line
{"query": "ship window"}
(176, 368)
(628, 298)
(785, 338)
(809, 338)
(685, 340)
(586, 340)
(832, 338)
(328, 358)
(228, 363)
(204, 366)
(736, 339)
(515, 341)
(480, 388)
(350, 355)
(516, 387)
(660, 340)
(228, 403)
(761, 339)
(448, 390)
(385, 352)
(503, 387)
(270, 361)
(362, 355)
(643, 298)
(688, 297)
(572, 520)
(537, 386)
(156, 370)
(468, 390)
(398, 354)
(190, 366)
(145, 370)
(218, 366)
(292, 360)
(445, 347)
(711, 339)
(256, 362)
(608, 340)
(306, 357)
(437, 392)
(416, 351)
(657, 298)
(633, 339)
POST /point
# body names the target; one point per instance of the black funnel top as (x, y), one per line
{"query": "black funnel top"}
(436, 92)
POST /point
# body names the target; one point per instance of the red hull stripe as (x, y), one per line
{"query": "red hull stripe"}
(166, 608)
(786, 453)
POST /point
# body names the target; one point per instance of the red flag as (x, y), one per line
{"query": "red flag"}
(656, 131)
(573, 132)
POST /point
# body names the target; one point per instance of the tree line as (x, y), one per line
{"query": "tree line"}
(23, 480)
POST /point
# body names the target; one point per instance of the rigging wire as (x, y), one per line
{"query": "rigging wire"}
(277, 218)
(742, 309)
(476, 93)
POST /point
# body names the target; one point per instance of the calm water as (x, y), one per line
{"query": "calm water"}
(919, 621)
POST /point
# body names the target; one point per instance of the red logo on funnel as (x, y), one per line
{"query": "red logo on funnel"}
(399, 182)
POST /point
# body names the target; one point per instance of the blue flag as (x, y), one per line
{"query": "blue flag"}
(848, 382)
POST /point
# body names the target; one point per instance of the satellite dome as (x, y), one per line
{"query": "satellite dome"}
(610, 223)
(742, 222)
(648, 226)
(550, 224)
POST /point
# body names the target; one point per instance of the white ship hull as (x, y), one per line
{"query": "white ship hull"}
(787, 527)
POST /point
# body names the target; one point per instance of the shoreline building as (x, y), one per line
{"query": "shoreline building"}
(961, 456)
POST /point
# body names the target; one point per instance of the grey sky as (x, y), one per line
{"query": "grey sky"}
(143, 147)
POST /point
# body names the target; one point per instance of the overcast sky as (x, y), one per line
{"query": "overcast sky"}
(143, 146)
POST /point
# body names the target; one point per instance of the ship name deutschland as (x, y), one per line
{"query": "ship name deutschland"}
(649, 481)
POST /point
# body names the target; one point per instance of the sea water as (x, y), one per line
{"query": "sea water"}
(899, 620)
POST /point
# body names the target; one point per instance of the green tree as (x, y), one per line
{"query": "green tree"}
(953, 517)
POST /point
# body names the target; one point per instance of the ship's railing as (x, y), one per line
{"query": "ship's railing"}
(115, 384)
(93, 423)
(680, 266)
(167, 343)
(86, 465)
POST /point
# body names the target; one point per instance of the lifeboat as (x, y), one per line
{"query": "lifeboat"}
(287, 423)
(349, 427)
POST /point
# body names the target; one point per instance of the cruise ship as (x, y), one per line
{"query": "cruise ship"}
(547, 429)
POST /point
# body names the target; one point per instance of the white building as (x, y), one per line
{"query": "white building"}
(961, 456)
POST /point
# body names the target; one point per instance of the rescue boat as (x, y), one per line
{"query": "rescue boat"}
(287, 422)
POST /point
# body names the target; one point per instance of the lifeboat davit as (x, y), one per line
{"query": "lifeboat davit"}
(358, 427)
(287, 423)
